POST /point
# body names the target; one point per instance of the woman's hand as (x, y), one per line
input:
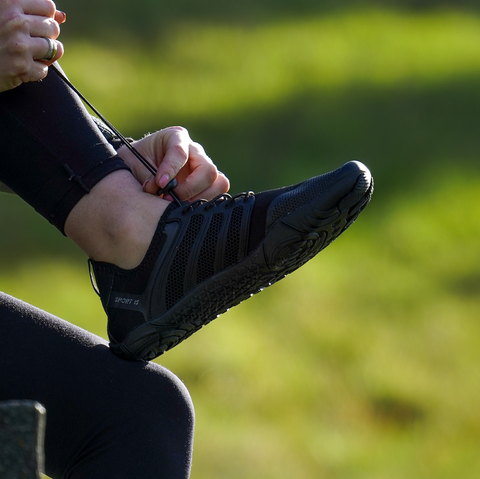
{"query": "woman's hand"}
(175, 155)
(23, 26)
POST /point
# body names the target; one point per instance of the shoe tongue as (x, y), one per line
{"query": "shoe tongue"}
(168, 211)
(171, 208)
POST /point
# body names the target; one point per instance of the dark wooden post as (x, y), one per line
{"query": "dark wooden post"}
(22, 434)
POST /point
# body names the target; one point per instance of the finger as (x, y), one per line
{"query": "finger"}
(60, 17)
(43, 27)
(175, 143)
(37, 71)
(220, 186)
(199, 174)
(150, 186)
(44, 8)
(41, 47)
(59, 54)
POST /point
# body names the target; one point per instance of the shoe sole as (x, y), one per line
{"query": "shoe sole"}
(307, 231)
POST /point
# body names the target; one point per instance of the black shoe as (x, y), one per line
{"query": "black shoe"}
(208, 256)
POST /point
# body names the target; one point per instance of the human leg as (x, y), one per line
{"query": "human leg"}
(105, 417)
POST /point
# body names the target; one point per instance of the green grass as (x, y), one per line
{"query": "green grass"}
(363, 364)
(202, 71)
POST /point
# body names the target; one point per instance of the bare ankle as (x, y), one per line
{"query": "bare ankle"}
(116, 221)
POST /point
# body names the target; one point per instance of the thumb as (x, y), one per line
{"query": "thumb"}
(150, 185)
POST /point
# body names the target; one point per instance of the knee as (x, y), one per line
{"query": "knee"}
(142, 425)
(162, 397)
(170, 392)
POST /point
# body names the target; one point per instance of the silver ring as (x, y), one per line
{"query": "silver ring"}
(52, 50)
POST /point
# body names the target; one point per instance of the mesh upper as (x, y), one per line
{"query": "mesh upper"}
(233, 237)
(176, 275)
(206, 261)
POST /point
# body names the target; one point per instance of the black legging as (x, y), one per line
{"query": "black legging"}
(106, 417)
(52, 153)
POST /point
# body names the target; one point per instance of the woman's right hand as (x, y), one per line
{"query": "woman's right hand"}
(23, 26)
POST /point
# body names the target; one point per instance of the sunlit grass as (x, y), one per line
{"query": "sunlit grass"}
(59, 287)
(201, 71)
(359, 365)
(363, 368)
(362, 364)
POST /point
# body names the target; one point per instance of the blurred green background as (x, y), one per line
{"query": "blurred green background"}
(363, 364)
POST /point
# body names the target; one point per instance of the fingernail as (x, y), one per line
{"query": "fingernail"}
(145, 184)
(163, 181)
(64, 15)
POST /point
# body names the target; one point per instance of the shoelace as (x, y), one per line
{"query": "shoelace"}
(225, 197)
